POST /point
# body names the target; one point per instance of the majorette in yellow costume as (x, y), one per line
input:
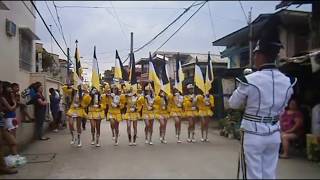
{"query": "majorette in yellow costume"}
(148, 104)
(78, 105)
(134, 105)
(114, 105)
(175, 105)
(205, 103)
(161, 106)
(96, 107)
(106, 99)
(189, 104)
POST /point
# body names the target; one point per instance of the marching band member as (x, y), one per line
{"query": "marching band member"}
(175, 106)
(106, 102)
(95, 115)
(114, 113)
(148, 113)
(134, 106)
(205, 104)
(162, 114)
(190, 111)
(264, 94)
(76, 112)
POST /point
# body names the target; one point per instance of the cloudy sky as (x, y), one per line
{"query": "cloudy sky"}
(109, 28)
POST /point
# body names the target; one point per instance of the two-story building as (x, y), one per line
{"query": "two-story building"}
(18, 55)
(293, 32)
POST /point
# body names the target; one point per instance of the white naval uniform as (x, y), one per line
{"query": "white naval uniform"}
(264, 93)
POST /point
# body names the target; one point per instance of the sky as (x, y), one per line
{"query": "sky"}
(109, 28)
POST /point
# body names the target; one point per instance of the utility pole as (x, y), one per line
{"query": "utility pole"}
(250, 38)
(131, 48)
(51, 38)
(68, 68)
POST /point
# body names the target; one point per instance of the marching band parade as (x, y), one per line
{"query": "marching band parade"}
(250, 91)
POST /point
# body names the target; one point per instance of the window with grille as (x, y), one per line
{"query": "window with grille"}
(25, 52)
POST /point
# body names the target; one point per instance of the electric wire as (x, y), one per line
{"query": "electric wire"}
(167, 27)
(44, 22)
(63, 37)
(182, 25)
(244, 13)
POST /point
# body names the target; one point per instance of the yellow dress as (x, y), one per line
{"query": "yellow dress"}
(175, 106)
(114, 105)
(96, 111)
(204, 105)
(104, 101)
(66, 91)
(161, 109)
(148, 108)
(77, 108)
(190, 110)
(132, 112)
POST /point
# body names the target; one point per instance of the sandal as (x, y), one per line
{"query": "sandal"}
(44, 139)
(283, 156)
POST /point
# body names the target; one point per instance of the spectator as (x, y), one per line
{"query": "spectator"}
(22, 106)
(40, 107)
(3, 167)
(54, 107)
(61, 109)
(291, 122)
(10, 123)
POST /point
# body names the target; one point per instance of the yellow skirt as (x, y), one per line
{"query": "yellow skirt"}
(176, 114)
(76, 112)
(115, 116)
(205, 113)
(96, 115)
(148, 115)
(190, 113)
(162, 115)
(132, 116)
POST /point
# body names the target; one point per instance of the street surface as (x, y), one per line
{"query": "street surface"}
(56, 158)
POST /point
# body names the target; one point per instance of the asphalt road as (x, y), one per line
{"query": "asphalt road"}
(56, 158)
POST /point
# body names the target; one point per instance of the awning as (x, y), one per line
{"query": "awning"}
(283, 3)
(3, 6)
(28, 32)
(233, 51)
(312, 58)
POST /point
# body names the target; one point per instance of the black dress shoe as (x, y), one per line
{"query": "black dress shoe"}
(7, 170)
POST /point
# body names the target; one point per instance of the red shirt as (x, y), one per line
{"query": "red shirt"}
(287, 122)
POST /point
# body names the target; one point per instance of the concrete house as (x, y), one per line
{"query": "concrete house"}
(294, 32)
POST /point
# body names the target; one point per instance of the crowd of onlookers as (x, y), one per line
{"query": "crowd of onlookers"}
(13, 111)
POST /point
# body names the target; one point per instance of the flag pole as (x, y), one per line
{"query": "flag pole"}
(68, 68)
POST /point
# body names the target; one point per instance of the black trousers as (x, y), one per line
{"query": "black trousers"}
(40, 118)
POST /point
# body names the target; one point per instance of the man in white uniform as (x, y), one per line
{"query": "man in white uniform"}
(264, 94)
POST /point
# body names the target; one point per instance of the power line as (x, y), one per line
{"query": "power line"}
(108, 7)
(245, 15)
(212, 25)
(64, 39)
(175, 20)
(182, 25)
(211, 22)
(44, 22)
(118, 20)
(54, 20)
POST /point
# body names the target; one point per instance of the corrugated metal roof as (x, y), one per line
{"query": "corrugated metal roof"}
(241, 35)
